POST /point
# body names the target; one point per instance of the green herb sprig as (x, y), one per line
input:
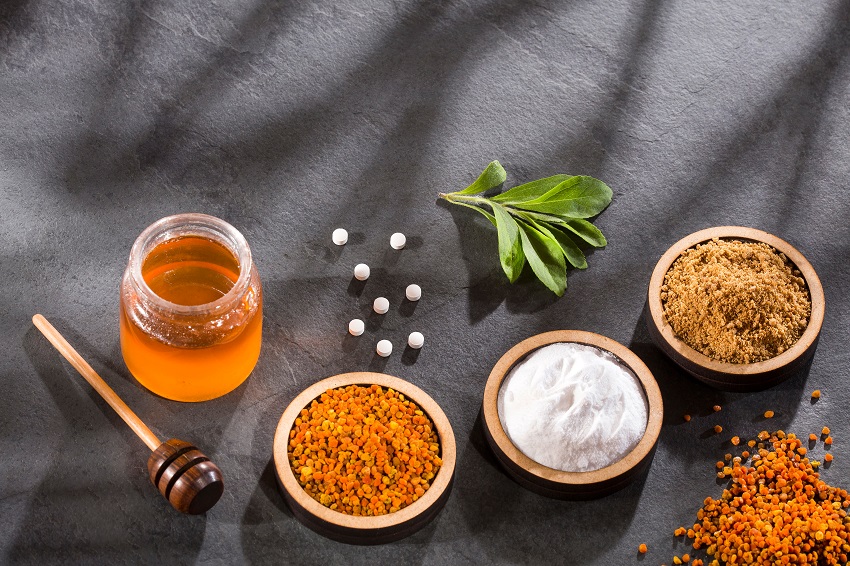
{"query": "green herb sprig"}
(539, 222)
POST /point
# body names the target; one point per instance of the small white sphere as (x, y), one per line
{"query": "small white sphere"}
(413, 292)
(361, 272)
(384, 348)
(397, 241)
(356, 327)
(381, 305)
(415, 340)
(340, 236)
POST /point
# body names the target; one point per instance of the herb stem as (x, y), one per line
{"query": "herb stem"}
(480, 201)
(469, 199)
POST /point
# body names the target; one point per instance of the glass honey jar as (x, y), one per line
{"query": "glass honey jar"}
(191, 308)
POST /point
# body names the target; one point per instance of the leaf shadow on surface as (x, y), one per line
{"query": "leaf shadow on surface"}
(493, 504)
(12, 13)
(481, 255)
(740, 413)
(70, 501)
(104, 162)
(781, 129)
(405, 54)
(165, 417)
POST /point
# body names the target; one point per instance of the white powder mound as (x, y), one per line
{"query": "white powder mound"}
(573, 407)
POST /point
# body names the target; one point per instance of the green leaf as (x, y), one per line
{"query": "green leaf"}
(584, 230)
(570, 250)
(492, 176)
(578, 226)
(539, 216)
(545, 257)
(511, 255)
(489, 216)
(577, 197)
(530, 191)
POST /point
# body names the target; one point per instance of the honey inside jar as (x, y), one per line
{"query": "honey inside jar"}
(188, 333)
(190, 271)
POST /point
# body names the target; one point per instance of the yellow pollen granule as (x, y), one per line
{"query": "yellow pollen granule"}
(364, 450)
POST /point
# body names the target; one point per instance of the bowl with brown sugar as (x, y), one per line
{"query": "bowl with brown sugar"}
(737, 308)
(364, 458)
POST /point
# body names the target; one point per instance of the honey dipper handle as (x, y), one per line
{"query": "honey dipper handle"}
(76, 360)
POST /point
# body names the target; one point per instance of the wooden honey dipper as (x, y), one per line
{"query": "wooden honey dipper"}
(183, 475)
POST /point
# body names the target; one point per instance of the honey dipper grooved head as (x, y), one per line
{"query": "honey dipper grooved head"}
(185, 477)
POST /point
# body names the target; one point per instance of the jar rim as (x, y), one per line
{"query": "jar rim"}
(186, 224)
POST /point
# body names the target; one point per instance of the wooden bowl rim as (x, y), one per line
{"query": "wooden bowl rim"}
(799, 348)
(549, 475)
(356, 523)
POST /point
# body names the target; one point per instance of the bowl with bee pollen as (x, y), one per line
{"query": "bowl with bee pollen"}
(364, 458)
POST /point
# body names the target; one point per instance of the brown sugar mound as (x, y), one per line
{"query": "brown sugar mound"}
(738, 302)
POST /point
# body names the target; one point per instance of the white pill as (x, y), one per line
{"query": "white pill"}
(361, 272)
(415, 340)
(384, 348)
(381, 305)
(340, 236)
(413, 292)
(356, 327)
(397, 241)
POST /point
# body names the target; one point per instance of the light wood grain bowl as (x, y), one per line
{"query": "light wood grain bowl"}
(365, 530)
(724, 375)
(556, 483)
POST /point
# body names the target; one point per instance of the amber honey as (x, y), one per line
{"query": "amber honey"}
(191, 316)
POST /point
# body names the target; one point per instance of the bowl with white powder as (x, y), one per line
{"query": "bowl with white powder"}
(572, 414)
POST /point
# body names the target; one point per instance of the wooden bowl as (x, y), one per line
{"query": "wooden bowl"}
(353, 529)
(556, 483)
(725, 375)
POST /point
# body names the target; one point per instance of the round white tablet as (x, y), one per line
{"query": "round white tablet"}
(415, 340)
(413, 292)
(384, 348)
(381, 305)
(397, 241)
(340, 236)
(361, 272)
(356, 327)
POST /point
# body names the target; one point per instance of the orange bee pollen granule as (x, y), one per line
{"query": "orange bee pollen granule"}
(364, 450)
(777, 508)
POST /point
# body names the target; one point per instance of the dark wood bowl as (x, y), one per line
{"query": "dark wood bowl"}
(724, 375)
(365, 530)
(556, 483)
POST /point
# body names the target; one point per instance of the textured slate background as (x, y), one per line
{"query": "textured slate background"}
(290, 119)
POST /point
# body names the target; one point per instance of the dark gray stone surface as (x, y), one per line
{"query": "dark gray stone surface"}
(291, 119)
